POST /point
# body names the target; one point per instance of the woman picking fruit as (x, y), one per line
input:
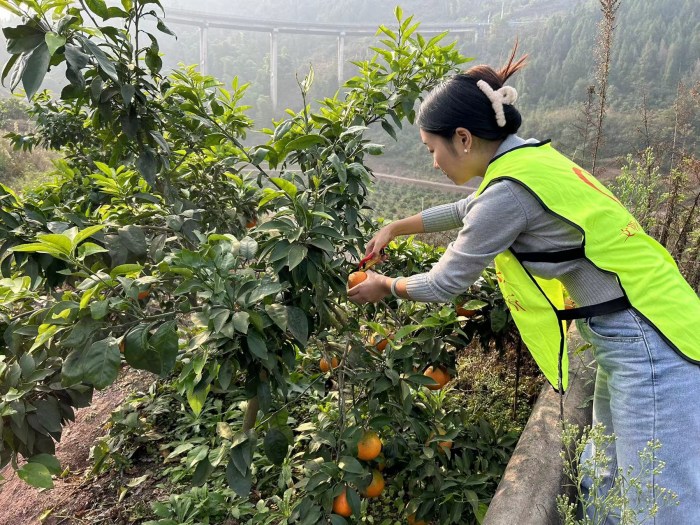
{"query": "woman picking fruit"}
(549, 225)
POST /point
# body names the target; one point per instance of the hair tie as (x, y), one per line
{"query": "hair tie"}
(498, 97)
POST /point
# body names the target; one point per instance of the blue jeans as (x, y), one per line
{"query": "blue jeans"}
(644, 392)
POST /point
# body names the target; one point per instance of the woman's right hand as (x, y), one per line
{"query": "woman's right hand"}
(383, 237)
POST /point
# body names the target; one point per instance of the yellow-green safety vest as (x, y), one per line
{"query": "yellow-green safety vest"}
(612, 240)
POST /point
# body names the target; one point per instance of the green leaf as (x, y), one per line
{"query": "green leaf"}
(58, 241)
(22, 38)
(304, 142)
(323, 243)
(49, 461)
(202, 472)
(73, 370)
(101, 363)
(351, 465)
(36, 474)
(99, 7)
(134, 239)
(165, 344)
(90, 248)
(298, 324)
(499, 319)
(87, 232)
(9, 7)
(102, 59)
(240, 484)
(241, 320)
(285, 185)
(278, 314)
(164, 29)
(248, 248)
(276, 446)
(35, 69)
(297, 253)
(99, 309)
(353, 501)
(196, 396)
(148, 166)
(256, 345)
(125, 269)
(54, 41)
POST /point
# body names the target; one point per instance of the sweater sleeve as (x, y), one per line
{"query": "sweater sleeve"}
(490, 225)
(446, 216)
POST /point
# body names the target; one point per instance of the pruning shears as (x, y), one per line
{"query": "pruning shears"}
(369, 261)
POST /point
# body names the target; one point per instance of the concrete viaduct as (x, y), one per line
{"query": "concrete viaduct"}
(204, 21)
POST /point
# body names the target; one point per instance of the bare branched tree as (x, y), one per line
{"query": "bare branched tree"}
(585, 123)
(606, 29)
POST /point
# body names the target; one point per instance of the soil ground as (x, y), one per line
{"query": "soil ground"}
(68, 501)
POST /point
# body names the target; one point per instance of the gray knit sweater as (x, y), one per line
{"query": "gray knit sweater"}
(505, 215)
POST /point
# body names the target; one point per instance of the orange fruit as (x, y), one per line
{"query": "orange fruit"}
(356, 278)
(464, 312)
(439, 375)
(412, 521)
(143, 295)
(376, 486)
(341, 506)
(444, 445)
(380, 342)
(251, 223)
(369, 446)
(326, 366)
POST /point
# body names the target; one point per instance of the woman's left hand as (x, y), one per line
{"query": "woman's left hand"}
(373, 289)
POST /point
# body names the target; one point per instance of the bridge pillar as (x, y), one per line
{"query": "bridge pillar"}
(273, 67)
(203, 49)
(341, 58)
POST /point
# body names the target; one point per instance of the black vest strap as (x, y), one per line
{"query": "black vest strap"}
(551, 257)
(608, 307)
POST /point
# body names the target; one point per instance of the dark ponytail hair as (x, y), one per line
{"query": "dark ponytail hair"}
(459, 103)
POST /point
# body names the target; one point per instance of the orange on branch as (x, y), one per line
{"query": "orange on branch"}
(251, 223)
(341, 506)
(380, 342)
(464, 312)
(376, 486)
(369, 446)
(356, 278)
(439, 375)
(326, 366)
(143, 295)
(444, 445)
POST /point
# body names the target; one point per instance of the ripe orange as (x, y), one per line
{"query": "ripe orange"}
(341, 506)
(444, 445)
(464, 312)
(380, 342)
(356, 278)
(251, 223)
(376, 486)
(369, 446)
(326, 366)
(439, 375)
(412, 521)
(143, 295)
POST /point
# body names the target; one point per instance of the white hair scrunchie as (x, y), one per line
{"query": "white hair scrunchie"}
(499, 97)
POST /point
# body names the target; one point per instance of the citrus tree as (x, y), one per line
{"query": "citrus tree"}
(166, 243)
